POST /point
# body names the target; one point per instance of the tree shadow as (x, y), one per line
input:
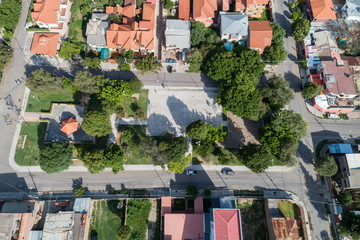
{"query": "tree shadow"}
(202, 180)
(157, 124)
(295, 82)
(77, 183)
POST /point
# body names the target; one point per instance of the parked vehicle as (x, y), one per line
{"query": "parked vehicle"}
(190, 172)
(227, 171)
(169, 60)
(169, 69)
(183, 57)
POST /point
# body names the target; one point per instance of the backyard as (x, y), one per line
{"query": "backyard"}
(137, 216)
(288, 209)
(107, 218)
(253, 218)
(42, 102)
(33, 134)
(141, 103)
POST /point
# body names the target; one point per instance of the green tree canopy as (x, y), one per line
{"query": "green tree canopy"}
(42, 81)
(350, 225)
(345, 198)
(326, 166)
(277, 93)
(180, 165)
(275, 54)
(96, 124)
(87, 83)
(115, 92)
(287, 150)
(256, 157)
(93, 159)
(135, 85)
(10, 11)
(196, 55)
(149, 64)
(282, 127)
(295, 16)
(174, 148)
(191, 192)
(204, 148)
(114, 158)
(311, 89)
(5, 56)
(201, 34)
(92, 62)
(300, 29)
(55, 157)
(168, 4)
(278, 34)
(69, 49)
(124, 233)
(197, 130)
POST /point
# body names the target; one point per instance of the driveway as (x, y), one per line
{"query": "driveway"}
(170, 110)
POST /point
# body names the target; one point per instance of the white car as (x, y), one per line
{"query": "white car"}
(191, 173)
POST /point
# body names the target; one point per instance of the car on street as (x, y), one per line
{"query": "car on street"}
(169, 69)
(169, 60)
(191, 172)
(227, 171)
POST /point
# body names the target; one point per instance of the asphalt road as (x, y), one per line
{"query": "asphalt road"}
(302, 179)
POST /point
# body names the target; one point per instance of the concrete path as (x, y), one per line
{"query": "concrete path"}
(131, 121)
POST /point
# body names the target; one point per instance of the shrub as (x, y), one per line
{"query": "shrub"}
(295, 16)
(344, 116)
(191, 192)
(135, 85)
(139, 113)
(124, 233)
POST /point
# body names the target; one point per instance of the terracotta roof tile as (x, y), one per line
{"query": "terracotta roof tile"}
(240, 4)
(227, 224)
(285, 229)
(204, 9)
(46, 11)
(180, 226)
(260, 35)
(45, 43)
(323, 9)
(184, 9)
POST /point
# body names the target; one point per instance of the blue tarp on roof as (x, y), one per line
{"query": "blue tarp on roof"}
(340, 148)
(339, 208)
(228, 46)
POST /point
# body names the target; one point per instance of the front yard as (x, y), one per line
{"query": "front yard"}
(27, 152)
(141, 103)
(137, 216)
(288, 209)
(107, 218)
(42, 102)
(253, 218)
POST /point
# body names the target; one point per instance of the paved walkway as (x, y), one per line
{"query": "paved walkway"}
(131, 121)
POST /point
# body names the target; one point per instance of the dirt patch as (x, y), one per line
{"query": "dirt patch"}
(253, 218)
(241, 132)
(152, 220)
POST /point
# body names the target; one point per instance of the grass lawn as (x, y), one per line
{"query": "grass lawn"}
(130, 107)
(288, 209)
(213, 159)
(35, 133)
(137, 215)
(107, 219)
(42, 102)
(253, 219)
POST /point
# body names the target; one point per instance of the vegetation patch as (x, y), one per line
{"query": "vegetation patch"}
(178, 204)
(33, 134)
(131, 106)
(138, 211)
(253, 219)
(288, 209)
(107, 218)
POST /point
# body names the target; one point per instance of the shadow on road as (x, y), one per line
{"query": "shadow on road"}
(295, 83)
(317, 137)
(201, 181)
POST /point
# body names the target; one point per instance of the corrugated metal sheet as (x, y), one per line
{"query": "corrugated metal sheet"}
(82, 205)
(340, 148)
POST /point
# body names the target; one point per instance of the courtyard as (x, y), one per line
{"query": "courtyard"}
(174, 110)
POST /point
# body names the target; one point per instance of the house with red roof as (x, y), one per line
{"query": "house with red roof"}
(45, 43)
(260, 35)
(253, 8)
(184, 9)
(130, 34)
(225, 224)
(204, 11)
(51, 14)
(320, 10)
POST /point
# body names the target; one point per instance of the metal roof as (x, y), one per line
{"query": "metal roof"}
(177, 33)
(342, 148)
(234, 24)
(82, 205)
(353, 160)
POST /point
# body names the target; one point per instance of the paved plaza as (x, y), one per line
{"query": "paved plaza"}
(171, 110)
(59, 113)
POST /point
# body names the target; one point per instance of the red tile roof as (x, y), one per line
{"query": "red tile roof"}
(204, 9)
(227, 224)
(198, 205)
(165, 205)
(352, 61)
(128, 12)
(343, 83)
(322, 9)
(260, 35)
(45, 43)
(46, 11)
(183, 226)
(184, 9)
(240, 4)
(256, 2)
(69, 126)
(225, 5)
(285, 229)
